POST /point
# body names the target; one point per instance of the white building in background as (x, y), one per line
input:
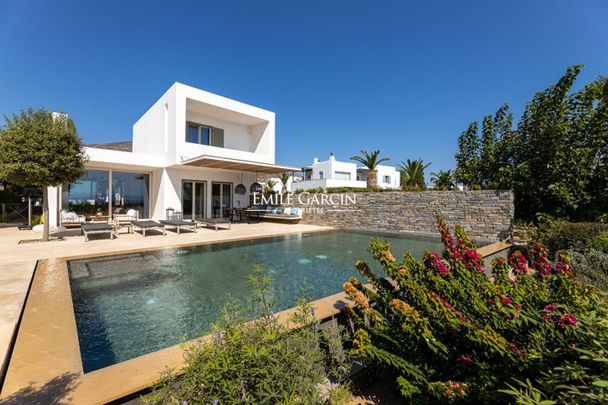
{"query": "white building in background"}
(333, 173)
(194, 152)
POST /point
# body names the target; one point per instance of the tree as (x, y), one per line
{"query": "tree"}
(555, 161)
(412, 174)
(371, 161)
(284, 178)
(269, 187)
(467, 158)
(443, 180)
(40, 148)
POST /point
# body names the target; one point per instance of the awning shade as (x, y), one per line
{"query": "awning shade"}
(214, 162)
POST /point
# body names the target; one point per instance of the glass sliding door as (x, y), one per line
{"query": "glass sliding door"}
(221, 198)
(131, 191)
(88, 195)
(193, 199)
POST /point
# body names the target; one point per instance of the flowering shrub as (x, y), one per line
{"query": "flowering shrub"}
(451, 334)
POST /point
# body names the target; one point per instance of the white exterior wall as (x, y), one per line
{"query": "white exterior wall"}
(159, 146)
(331, 166)
(390, 171)
(249, 132)
(327, 183)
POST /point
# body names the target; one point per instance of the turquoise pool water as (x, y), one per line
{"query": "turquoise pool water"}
(130, 305)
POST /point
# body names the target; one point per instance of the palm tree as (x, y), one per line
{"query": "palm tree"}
(412, 174)
(443, 180)
(269, 187)
(371, 161)
(284, 178)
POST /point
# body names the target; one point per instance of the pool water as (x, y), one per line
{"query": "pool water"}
(133, 304)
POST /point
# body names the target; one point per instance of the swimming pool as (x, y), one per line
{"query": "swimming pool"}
(132, 304)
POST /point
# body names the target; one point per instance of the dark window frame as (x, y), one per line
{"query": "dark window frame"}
(212, 134)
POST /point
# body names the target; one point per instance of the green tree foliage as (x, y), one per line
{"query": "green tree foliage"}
(284, 179)
(412, 174)
(371, 161)
(259, 361)
(451, 334)
(556, 160)
(40, 148)
(443, 180)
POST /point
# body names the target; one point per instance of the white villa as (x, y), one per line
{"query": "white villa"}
(335, 173)
(193, 152)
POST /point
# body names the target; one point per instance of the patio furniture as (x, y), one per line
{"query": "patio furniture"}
(70, 218)
(178, 224)
(125, 220)
(98, 218)
(214, 222)
(279, 213)
(147, 225)
(95, 228)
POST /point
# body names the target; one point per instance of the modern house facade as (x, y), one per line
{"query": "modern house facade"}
(334, 173)
(192, 152)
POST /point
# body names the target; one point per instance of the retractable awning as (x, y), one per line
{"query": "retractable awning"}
(214, 162)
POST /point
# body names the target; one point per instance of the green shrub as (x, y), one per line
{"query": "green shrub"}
(258, 361)
(452, 335)
(600, 242)
(591, 267)
(560, 235)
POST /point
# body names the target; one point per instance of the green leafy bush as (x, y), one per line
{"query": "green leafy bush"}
(450, 334)
(600, 242)
(591, 267)
(560, 235)
(260, 361)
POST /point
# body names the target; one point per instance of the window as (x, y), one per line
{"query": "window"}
(130, 191)
(387, 179)
(320, 175)
(204, 135)
(343, 175)
(94, 193)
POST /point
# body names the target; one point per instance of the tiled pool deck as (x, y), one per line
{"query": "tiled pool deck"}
(45, 365)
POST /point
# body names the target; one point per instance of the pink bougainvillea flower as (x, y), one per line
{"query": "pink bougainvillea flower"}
(505, 300)
(550, 307)
(567, 320)
(465, 360)
(518, 351)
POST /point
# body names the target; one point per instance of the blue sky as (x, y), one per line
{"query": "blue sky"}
(402, 77)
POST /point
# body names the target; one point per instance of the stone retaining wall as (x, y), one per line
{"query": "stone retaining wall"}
(486, 215)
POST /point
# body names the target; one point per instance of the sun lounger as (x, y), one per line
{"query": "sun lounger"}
(94, 228)
(147, 225)
(214, 222)
(178, 224)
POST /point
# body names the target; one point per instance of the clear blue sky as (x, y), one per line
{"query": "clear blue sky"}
(402, 77)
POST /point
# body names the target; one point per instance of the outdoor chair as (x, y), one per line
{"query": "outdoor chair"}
(214, 222)
(125, 220)
(97, 228)
(147, 225)
(178, 224)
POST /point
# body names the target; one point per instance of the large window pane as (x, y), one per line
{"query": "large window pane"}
(343, 175)
(218, 138)
(130, 191)
(192, 134)
(205, 135)
(88, 195)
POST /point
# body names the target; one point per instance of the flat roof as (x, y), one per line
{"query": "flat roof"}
(215, 162)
